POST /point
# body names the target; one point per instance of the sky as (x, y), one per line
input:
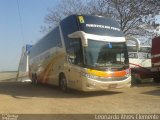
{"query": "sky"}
(11, 40)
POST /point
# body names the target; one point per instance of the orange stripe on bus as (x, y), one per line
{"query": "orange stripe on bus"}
(107, 73)
(43, 77)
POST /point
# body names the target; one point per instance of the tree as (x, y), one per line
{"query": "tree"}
(64, 8)
(135, 17)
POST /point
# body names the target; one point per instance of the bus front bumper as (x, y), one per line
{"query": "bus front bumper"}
(95, 85)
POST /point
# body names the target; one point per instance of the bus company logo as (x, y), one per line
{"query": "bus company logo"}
(102, 26)
(110, 72)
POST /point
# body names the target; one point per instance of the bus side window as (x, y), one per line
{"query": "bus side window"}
(71, 55)
(74, 52)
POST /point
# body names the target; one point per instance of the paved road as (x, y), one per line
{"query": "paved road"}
(21, 97)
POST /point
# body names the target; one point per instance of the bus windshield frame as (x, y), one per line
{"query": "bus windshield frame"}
(95, 54)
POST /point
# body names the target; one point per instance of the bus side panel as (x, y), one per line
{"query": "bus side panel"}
(43, 55)
(68, 26)
(57, 65)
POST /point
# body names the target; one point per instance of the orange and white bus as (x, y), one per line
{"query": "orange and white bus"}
(83, 52)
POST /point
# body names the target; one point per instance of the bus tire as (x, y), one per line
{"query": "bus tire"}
(63, 83)
(34, 79)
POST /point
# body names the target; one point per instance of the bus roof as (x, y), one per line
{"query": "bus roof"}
(96, 25)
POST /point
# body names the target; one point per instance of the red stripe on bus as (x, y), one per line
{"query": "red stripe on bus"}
(136, 65)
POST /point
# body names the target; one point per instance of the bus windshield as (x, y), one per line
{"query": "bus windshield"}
(105, 54)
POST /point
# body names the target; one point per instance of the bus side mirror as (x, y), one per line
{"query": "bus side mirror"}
(80, 34)
(135, 40)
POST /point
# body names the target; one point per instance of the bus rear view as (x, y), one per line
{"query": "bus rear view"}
(95, 55)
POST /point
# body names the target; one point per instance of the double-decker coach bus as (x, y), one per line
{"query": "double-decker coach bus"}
(83, 52)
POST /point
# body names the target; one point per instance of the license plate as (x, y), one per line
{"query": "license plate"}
(112, 86)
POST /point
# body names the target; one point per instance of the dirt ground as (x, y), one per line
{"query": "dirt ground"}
(7, 75)
(24, 98)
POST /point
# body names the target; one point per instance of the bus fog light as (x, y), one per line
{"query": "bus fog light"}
(88, 84)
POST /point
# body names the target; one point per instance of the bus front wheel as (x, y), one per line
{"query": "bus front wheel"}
(63, 83)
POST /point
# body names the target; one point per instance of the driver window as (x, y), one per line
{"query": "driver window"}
(74, 52)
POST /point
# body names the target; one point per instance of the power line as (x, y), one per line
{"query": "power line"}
(21, 29)
(21, 24)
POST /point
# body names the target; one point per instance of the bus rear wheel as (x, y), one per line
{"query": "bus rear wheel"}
(34, 79)
(63, 83)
